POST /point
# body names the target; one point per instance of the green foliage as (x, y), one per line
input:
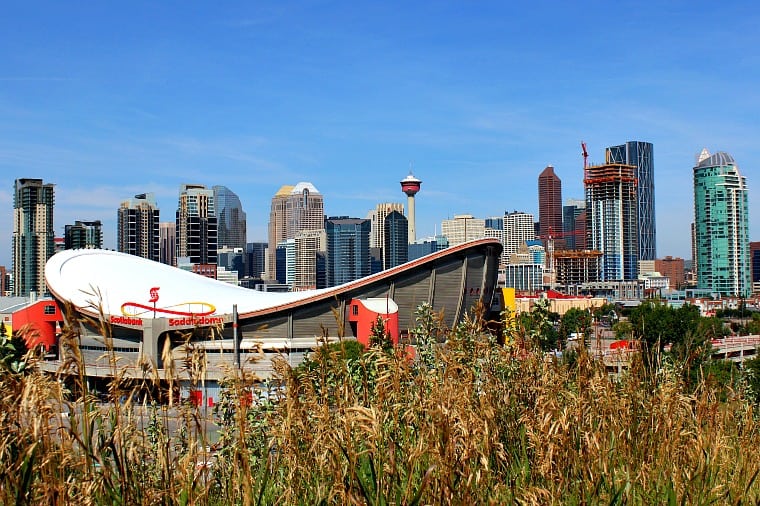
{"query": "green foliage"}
(540, 325)
(623, 329)
(344, 350)
(427, 332)
(379, 335)
(12, 352)
(752, 379)
(575, 321)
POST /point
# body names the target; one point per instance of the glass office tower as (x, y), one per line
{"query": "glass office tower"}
(640, 155)
(721, 226)
(230, 219)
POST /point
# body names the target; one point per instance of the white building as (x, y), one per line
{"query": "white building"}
(518, 229)
(463, 228)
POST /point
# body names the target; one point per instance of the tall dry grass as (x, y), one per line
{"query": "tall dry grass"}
(470, 422)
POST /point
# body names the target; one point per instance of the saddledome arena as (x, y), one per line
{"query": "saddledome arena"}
(158, 313)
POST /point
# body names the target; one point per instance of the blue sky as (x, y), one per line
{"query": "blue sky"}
(478, 97)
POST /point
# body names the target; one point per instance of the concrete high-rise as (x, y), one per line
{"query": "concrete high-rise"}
(138, 227)
(230, 219)
(167, 243)
(294, 209)
(410, 185)
(33, 235)
(463, 228)
(83, 234)
(612, 219)
(377, 232)
(641, 156)
(196, 224)
(308, 245)
(550, 208)
(673, 269)
(348, 256)
(518, 228)
(721, 222)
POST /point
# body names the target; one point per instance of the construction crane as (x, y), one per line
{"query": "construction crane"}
(585, 159)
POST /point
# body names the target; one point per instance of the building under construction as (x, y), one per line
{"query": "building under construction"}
(612, 219)
(577, 267)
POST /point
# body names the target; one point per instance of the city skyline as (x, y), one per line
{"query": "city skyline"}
(107, 103)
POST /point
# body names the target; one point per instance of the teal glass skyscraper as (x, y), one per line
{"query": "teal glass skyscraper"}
(721, 226)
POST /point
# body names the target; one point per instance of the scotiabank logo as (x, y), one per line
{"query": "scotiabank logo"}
(125, 320)
(192, 313)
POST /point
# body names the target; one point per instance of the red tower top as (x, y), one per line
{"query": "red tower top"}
(410, 185)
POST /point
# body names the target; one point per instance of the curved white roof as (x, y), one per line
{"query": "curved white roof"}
(114, 283)
(92, 278)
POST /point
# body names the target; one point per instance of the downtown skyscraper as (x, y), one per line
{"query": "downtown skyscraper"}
(550, 208)
(395, 240)
(518, 228)
(640, 155)
(348, 256)
(377, 233)
(294, 209)
(230, 219)
(196, 225)
(33, 235)
(138, 227)
(612, 219)
(721, 226)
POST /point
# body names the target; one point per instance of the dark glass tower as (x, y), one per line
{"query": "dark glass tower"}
(84, 234)
(255, 253)
(230, 219)
(396, 239)
(570, 212)
(640, 155)
(348, 255)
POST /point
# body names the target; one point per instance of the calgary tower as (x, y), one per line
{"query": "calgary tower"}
(411, 185)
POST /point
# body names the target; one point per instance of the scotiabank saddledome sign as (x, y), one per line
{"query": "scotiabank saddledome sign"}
(198, 313)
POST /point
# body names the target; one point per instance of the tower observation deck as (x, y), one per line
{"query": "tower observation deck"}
(411, 185)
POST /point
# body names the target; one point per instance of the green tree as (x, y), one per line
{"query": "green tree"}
(575, 320)
(623, 329)
(539, 325)
(656, 325)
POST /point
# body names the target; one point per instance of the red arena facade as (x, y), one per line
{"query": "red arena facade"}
(153, 308)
